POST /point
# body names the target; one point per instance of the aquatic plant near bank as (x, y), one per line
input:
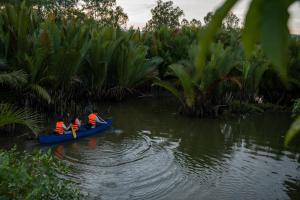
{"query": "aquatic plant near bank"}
(261, 17)
(102, 45)
(34, 176)
(130, 69)
(60, 54)
(72, 59)
(197, 96)
(171, 45)
(11, 115)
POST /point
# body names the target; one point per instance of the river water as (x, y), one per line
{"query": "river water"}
(154, 153)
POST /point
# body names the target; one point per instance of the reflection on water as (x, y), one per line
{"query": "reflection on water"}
(153, 153)
(59, 151)
(93, 143)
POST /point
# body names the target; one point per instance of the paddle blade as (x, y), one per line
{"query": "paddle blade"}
(74, 133)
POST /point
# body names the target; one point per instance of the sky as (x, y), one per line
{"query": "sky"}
(139, 10)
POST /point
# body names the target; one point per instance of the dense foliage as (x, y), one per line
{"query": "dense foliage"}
(164, 13)
(36, 176)
(9, 114)
(59, 55)
(66, 59)
(54, 55)
(105, 12)
(262, 17)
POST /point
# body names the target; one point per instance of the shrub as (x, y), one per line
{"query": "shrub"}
(34, 176)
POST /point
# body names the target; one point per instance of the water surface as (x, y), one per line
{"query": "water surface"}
(153, 153)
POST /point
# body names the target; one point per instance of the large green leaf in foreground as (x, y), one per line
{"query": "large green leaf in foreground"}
(293, 131)
(266, 23)
(209, 34)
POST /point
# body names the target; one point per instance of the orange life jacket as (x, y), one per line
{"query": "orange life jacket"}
(59, 128)
(75, 125)
(92, 119)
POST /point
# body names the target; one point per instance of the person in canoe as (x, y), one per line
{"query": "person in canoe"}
(76, 123)
(94, 118)
(61, 128)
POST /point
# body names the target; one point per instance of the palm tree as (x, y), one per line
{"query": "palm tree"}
(195, 94)
(19, 39)
(129, 69)
(11, 115)
(103, 43)
(8, 113)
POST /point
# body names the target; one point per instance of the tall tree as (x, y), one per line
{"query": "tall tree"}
(45, 4)
(231, 21)
(165, 13)
(44, 7)
(107, 12)
(208, 18)
(193, 23)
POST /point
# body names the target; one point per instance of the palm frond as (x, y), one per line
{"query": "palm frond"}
(15, 78)
(169, 87)
(186, 82)
(220, 65)
(10, 115)
(40, 92)
(208, 35)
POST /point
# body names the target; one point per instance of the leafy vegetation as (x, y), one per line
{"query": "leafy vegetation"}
(262, 17)
(164, 13)
(67, 55)
(198, 95)
(56, 53)
(293, 131)
(10, 115)
(34, 176)
(107, 12)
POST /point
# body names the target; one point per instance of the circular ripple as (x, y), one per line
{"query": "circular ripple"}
(139, 167)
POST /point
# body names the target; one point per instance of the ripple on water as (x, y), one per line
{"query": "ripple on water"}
(139, 167)
(147, 166)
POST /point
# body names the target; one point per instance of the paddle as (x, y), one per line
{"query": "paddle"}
(73, 132)
(101, 119)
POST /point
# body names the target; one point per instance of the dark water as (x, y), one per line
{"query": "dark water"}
(153, 153)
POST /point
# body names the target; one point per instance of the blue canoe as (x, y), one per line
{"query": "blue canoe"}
(83, 132)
